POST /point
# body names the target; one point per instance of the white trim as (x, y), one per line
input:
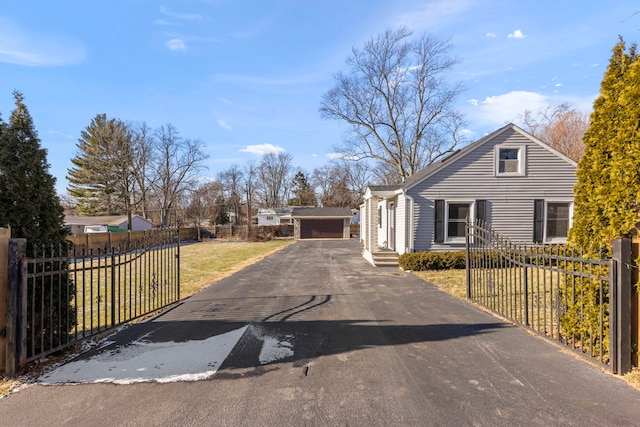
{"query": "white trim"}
(522, 159)
(410, 228)
(472, 210)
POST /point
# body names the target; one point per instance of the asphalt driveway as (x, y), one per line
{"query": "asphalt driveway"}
(314, 335)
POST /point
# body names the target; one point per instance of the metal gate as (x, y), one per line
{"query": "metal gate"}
(562, 295)
(64, 294)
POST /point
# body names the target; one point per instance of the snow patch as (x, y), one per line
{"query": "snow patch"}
(273, 350)
(143, 361)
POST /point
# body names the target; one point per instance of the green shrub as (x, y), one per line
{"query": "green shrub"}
(421, 261)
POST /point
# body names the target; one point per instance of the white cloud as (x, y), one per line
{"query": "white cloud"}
(176, 44)
(434, 14)
(491, 35)
(517, 34)
(22, 47)
(263, 149)
(505, 108)
(224, 125)
(182, 16)
(333, 156)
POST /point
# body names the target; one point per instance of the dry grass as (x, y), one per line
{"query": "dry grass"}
(202, 264)
(633, 378)
(451, 281)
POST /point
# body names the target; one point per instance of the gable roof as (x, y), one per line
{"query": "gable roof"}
(326, 213)
(435, 167)
(280, 212)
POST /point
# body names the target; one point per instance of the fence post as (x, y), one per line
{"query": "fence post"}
(5, 235)
(620, 307)
(113, 285)
(468, 258)
(15, 297)
(526, 260)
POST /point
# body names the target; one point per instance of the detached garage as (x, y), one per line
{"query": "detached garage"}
(321, 223)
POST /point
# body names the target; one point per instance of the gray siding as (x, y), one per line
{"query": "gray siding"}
(510, 199)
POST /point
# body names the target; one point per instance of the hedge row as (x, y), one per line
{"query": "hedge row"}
(420, 261)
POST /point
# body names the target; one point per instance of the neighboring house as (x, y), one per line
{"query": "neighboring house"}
(275, 216)
(516, 183)
(355, 216)
(81, 224)
(321, 223)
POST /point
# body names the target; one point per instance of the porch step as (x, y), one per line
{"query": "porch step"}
(385, 258)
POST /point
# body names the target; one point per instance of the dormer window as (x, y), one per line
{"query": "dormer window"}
(510, 160)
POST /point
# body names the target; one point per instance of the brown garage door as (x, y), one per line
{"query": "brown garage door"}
(321, 228)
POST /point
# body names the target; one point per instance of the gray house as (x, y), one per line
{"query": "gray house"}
(518, 184)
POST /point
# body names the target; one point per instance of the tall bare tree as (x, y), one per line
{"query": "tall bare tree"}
(201, 204)
(232, 184)
(561, 126)
(144, 153)
(359, 175)
(273, 179)
(333, 188)
(176, 165)
(397, 101)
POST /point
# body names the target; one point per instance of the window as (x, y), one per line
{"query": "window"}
(450, 220)
(456, 219)
(269, 218)
(509, 161)
(558, 217)
(551, 221)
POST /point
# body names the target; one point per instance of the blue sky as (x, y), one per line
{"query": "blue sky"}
(246, 77)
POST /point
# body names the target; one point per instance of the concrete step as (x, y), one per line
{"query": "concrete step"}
(385, 258)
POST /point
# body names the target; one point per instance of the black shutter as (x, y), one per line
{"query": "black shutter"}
(481, 211)
(538, 220)
(439, 224)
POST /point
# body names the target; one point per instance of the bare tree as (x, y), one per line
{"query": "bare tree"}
(250, 173)
(561, 126)
(397, 102)
(359, 176)
(175, 168)
(333, 187)
(143, 149)
(232, 183)
(201, 204)
(273, 183)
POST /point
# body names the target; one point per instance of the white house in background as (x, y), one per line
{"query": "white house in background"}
(355, 216)
(78, 224)
(275, 216)
(518, 184)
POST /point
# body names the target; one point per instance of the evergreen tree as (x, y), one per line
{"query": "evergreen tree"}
(101, 180)
(30, 206)
(608, 186)
(28, 200)
(303, 194)
(607, 192)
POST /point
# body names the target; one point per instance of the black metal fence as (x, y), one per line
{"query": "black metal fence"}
(556, 292)
(65, 294)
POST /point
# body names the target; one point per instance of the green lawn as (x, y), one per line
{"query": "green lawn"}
(204, 263)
